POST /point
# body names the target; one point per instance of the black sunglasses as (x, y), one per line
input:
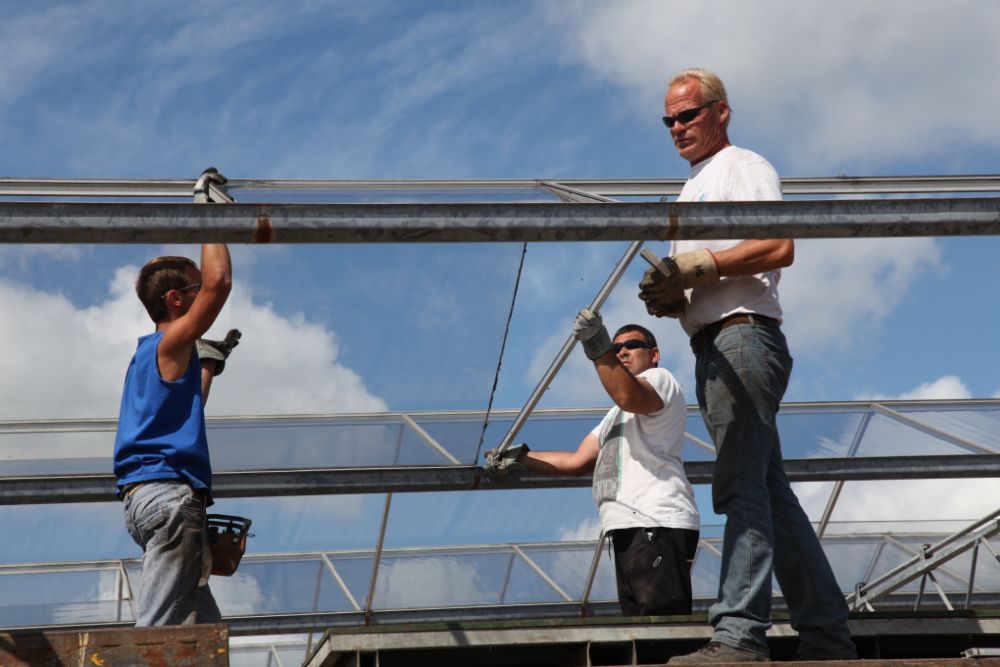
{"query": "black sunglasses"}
(686, 116)
(631, 345)
(192, 286)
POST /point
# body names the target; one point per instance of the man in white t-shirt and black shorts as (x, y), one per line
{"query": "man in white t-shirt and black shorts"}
(725, 294)
(645, 502)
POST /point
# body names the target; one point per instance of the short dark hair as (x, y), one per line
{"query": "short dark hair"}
(646, 333)
(157, 277)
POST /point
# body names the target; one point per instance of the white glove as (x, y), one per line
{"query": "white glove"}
(588, 328)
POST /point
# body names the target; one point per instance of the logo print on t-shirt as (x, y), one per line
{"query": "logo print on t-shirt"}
(608, 466)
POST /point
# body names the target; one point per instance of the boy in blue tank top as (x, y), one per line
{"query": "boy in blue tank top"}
(161, 453)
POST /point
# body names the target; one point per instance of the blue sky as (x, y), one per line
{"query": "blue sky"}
(513, 89)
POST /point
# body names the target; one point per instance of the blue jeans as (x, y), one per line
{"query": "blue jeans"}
(741, 378)
(167, 519)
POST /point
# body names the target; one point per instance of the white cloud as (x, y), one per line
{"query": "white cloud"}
(589, 528)
(856, 86)
(72, 360)
(839, 291)
(947, 387)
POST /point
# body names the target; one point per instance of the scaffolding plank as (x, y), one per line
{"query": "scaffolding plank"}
(177, 646)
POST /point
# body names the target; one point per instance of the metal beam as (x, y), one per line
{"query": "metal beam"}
(34, 222)
(633, 187)
(926, 561)
(41, 489)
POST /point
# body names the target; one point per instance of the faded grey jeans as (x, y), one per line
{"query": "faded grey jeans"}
(167, 519)
(741, 378)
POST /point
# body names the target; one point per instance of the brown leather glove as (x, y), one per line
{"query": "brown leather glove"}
(663, 285)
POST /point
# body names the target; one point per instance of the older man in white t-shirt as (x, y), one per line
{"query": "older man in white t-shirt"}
(725, 294)
(645, 502)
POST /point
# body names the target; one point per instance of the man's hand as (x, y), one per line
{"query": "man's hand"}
(506, 462)
(588, 328)
(662, 286)
(218, 350)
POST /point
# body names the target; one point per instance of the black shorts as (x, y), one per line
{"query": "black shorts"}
(653, 570)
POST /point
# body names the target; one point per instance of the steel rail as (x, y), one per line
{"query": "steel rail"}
(635, 187)
(102, 424)
(85, 488)
(35, 222)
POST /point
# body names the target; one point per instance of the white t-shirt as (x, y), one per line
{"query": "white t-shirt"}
(732, 174)
(639, 479)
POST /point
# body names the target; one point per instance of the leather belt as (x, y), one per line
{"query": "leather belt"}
(130, 489)
(704, 337)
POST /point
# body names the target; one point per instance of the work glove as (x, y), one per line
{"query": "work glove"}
(588, 328)
(506, 461)
(218, 350)
(663, 285)
(210, 175)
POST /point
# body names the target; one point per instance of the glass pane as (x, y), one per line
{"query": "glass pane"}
(390, 195)
(888, 437)
(807, 435)
(980, 426)
(705, 573)
(469, 578)
(61, 597)
(274, 587)
(570, 565)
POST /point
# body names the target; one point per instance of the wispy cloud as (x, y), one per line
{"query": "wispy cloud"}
(848, 90)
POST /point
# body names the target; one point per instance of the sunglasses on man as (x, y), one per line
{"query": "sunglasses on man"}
(631, 345)
(686, 116)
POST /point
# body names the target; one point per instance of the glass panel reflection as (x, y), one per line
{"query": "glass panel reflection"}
(446, 580)
(62, 597)
(980, 426)
(888, 437)
(807, 435)
(390, 195)
(275, 587)
(569, 567)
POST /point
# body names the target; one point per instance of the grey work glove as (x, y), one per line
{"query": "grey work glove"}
(588, 328)
(210, 175)
(218, 350)
(663, 285)
(506, 462)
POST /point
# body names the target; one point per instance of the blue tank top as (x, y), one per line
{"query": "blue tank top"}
(161, 425)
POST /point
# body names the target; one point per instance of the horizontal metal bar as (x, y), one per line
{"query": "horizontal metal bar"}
(446, 223)
(837, 185)
(31, 489)
(636, 187)
(109, 423)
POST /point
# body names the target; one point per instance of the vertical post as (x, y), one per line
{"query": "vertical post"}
(378, 559)
(594, 564)
(839, 484)
(972, 573)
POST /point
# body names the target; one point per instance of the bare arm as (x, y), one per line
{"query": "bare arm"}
(558, 464)
(174, 351)
(755, 256)
(630, 393)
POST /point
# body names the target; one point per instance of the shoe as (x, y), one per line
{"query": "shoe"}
(714, 652)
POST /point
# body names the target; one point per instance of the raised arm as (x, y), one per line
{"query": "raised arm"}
(179, 335)
(629, 392)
